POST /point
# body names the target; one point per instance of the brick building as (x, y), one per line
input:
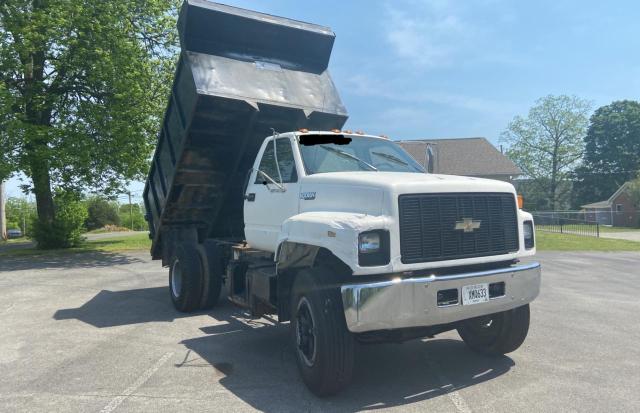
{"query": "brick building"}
(618, 210)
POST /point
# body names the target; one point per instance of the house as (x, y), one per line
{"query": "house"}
(465, 156)
(618, 210)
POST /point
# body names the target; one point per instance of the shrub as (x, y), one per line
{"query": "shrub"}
(136, 212)
(66, 229)
(101, 213)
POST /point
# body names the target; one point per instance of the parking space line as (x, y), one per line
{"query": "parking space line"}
(446, 385)
(136, 385)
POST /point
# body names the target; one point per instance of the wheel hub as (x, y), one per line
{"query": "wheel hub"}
(176, 279)
(305, 332)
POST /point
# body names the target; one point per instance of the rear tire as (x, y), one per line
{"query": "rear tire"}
(212, 274)
(323, 345)
(496, 334)
(185, 278)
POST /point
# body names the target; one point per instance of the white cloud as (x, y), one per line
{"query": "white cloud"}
(428, 33)
(441, 33)
(363, 85)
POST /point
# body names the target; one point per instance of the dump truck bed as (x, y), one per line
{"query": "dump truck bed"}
(241, 75)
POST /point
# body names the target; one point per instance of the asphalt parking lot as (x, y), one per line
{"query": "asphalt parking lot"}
(97, 332)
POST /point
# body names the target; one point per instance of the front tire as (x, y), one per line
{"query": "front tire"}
(496, 334)
(323, 345)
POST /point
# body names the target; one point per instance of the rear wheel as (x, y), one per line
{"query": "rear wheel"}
(213, 270)
(323, 345)
(496, 334)
(185, 278)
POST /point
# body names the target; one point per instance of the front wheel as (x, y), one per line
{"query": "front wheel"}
(496, 334)
(323, 345)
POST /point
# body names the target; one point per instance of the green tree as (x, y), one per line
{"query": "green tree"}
(83, 85)
(20, 214)
(547, 145)
(133, 214)
(612, 151)
(101, 212)
(633, 190)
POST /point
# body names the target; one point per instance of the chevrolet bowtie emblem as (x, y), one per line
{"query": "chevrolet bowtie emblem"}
(468, 225)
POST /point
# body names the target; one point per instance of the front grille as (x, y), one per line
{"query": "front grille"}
(428, 226)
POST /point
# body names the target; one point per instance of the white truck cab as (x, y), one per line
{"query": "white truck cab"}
(300, 181)
(446, 247)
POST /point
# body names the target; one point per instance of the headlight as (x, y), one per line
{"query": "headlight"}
(369, 242)
(527, 229)
(373, 248)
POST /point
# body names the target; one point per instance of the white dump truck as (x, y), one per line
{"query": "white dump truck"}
(257, 194)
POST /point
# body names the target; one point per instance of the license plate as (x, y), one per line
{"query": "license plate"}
(475, 294)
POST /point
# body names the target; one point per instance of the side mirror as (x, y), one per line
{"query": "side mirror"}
(269, 180)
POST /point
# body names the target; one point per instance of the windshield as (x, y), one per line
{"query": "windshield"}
(339, 153)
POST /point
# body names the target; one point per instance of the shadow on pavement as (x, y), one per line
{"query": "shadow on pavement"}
(257, 364)
(253, 359)
(94, 259)
(117, 308)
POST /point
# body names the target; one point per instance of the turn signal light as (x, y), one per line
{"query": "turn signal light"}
(520, 201)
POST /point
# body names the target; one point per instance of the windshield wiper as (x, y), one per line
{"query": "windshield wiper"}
(391, 158)
(348, 155)
(394, 159)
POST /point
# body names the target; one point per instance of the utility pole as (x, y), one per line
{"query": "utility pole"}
(3, 216)
(130, 210)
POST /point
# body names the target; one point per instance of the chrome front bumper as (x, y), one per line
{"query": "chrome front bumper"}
(413, 302)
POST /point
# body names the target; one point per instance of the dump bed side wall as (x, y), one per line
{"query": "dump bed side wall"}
(240, 75)
(171, 140)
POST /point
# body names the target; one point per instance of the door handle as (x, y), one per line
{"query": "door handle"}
(250, 197)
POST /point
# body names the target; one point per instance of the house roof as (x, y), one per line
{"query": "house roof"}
(597, 205)
(608, 202)
(462, 156)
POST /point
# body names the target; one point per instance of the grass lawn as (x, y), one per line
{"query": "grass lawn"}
(108, 230)
(617, 229)
(14, 241)
(138, 242)
(547, 241)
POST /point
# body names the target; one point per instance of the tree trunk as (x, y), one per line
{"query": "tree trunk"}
(553, 188)
(42, 189)
(3, 216)
(38, 113)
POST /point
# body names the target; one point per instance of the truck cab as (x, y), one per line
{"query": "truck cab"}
(407, 253)
(366, 202)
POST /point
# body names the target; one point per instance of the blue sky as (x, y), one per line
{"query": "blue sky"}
(437, 68)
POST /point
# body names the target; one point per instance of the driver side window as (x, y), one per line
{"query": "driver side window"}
(285, 161)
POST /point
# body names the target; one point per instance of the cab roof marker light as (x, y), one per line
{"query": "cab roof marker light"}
(303, 130)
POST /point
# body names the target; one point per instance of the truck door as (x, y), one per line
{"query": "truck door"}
(272, 195)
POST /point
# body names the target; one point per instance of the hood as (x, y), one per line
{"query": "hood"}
(376, 193)
(406, 182)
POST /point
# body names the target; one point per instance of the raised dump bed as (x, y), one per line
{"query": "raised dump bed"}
(241, 75)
